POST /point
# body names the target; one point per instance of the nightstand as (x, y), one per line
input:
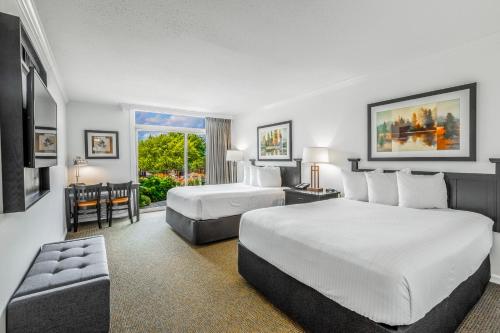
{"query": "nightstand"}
(293, 196)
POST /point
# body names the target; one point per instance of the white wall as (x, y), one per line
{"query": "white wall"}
(21, 234)
(336, 117)
(89, 116)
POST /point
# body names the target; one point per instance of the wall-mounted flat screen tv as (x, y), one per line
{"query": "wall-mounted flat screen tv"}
(40, 124)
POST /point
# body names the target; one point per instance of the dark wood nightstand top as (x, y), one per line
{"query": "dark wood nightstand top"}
(294, 196)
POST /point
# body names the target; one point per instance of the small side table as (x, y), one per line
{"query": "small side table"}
(294, 196)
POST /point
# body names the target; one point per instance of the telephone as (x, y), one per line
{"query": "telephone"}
(302, 186)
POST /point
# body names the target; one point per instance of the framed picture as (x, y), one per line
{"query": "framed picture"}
(274, 142)
(435, 126)
(45, 142)
(101, 144)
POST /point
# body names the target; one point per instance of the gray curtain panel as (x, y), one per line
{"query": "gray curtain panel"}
(218, 142)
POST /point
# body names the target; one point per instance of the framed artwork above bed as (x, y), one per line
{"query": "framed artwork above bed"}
(438, 125)
(274, 142)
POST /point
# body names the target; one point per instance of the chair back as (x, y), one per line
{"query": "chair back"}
(83, 193)
(119, 190)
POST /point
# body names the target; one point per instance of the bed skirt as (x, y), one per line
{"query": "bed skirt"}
(199, 232)
(317, 313)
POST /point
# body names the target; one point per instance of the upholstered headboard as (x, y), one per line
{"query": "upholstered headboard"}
(476, 192)
(290, 175)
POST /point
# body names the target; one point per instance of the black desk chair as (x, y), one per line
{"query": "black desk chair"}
(87, 200)
(119, 198)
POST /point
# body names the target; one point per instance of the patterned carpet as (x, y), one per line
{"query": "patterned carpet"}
(159, 283)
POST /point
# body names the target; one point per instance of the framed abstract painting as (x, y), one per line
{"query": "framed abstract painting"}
(274, 142)
(101, 144)
(438, 125)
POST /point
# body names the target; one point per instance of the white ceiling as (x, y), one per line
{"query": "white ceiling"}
(230, 56)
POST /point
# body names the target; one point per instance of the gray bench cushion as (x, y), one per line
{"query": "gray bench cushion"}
(61, 264)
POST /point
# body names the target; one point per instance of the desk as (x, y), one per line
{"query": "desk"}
(70, 206)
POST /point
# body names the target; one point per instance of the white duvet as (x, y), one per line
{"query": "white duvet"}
(390, 264)
(216, 201)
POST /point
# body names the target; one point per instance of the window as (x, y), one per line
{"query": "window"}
(170, 152)
(168, 120)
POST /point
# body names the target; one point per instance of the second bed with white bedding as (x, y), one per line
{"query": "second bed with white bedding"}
(390, 264)
(215, 201)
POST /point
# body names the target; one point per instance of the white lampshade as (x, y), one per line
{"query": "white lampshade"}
(315, 155)
(80, 161)
(234, 155)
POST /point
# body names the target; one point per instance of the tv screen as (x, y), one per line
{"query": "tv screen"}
(40, 124)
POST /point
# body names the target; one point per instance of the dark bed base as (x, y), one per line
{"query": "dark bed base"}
(203, 231)
(317, 313)
(206, 231)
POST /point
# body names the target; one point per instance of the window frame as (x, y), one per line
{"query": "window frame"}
(134, 137)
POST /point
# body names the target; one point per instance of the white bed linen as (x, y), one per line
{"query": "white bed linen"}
(390, 264)
(216, 201)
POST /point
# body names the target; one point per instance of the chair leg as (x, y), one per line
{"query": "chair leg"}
(75, 221)
(130, 212)
(99, 216)
(107, 213)
(110, 214)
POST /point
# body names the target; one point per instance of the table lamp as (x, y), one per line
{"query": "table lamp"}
(79, 162)
(234, 156)
(315, 155)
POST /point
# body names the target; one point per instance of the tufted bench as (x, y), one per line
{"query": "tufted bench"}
(65, 290)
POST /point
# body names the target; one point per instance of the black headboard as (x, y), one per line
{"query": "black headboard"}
(476, 192)
(290, 175)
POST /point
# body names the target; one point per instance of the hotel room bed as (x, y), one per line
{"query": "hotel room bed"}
(215, 201)
(388, 263)
(343, 265)
(204, 214)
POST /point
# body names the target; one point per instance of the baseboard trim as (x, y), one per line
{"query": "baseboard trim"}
(495, 278)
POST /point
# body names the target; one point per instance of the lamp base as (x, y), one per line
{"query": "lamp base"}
(315, 179)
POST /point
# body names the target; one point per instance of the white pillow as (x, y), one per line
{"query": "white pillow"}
(382, 188)
(254, 181)
(355, 187)
(246, 175)
(422, 191)
(269, 176)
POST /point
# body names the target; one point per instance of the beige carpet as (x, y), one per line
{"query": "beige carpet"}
(160, 283)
